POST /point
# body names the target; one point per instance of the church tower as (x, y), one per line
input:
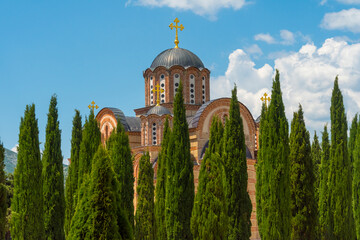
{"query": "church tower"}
(161, 82)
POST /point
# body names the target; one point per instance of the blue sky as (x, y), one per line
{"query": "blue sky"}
(97, 50)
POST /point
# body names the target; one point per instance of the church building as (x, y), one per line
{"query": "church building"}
(161, 82)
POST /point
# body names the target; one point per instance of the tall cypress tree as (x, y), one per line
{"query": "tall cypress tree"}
(145, 218)
(72, 178)
(160, 189)
(53, 177)
(27, 220)
(323, 190)
(316, 159)
(120, 153)
(341, 219)
(303, 206)
(356, 183)
(209, 217)
(91, 139)
(103, 198)
(260, 164)
(237, 197)
(352, 138)
(275, 178)
(180, 177)
(3, 193)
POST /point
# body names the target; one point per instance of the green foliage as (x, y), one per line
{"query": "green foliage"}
(303, 206)
(260, 164)
(145, 218)
(275, 165)
(323, 189)
(236, 178)
(160, 190)
(91, 139)
(27, 215)
(102, 198)
(120, 154)
(340, 211)
(316, 159)
(209, 217)
(180, 177)
(356, 183)
(99, 214)
(53, 177)
(9, 184)
(71, 186)
(352, 138)
(3, 193)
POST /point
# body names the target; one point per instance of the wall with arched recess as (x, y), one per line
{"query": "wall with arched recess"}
(107, 123)
(220, 107)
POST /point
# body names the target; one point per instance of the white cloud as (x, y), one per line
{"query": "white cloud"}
(306, 76)
(288, 38)
(349, 1)
(265, 37)
(254, 50)
(348, 20)
(15, 148)
(200, 7)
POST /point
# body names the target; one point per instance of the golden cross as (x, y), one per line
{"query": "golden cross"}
(265, 99)
(93, 106)
(157, 90)
(176, 26)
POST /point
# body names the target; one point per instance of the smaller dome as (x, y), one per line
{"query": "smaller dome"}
(159, 110)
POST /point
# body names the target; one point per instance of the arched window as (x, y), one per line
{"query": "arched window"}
(151, 91)
(203, 99)
(162, 86)
(154, 137)
(192, 89)
(176, 83)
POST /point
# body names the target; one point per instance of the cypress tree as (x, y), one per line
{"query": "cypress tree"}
(120, 153)
(340, 211)
(237, 197)
(103, 200)
(145, 218)
(3, 193)
(275, 178)
(27, 220)
(260, 164)
(209, 217)
(303, 206)
(323, 190)
(160, 189)
(53, 177)
(316, 159)
(91, 139)
(356, 183)
(352, 138)
(180, 177)
(72, 178)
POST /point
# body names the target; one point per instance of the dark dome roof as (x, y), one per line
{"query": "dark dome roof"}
(177, 56)
(159, 110)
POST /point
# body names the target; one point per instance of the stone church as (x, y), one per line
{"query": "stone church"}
(161, 81)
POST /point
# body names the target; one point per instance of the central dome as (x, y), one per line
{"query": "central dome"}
(177, 56)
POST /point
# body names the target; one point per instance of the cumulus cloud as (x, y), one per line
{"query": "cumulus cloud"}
(286, 37)
(307, 77)
(265, 37)
(349, 1)
(200, 7)
(348, 20)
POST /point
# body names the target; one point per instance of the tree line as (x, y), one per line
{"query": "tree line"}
(304, 190)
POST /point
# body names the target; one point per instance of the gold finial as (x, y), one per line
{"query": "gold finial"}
(93, 106)
(157, 90)
(176, 26)
(265, 99)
